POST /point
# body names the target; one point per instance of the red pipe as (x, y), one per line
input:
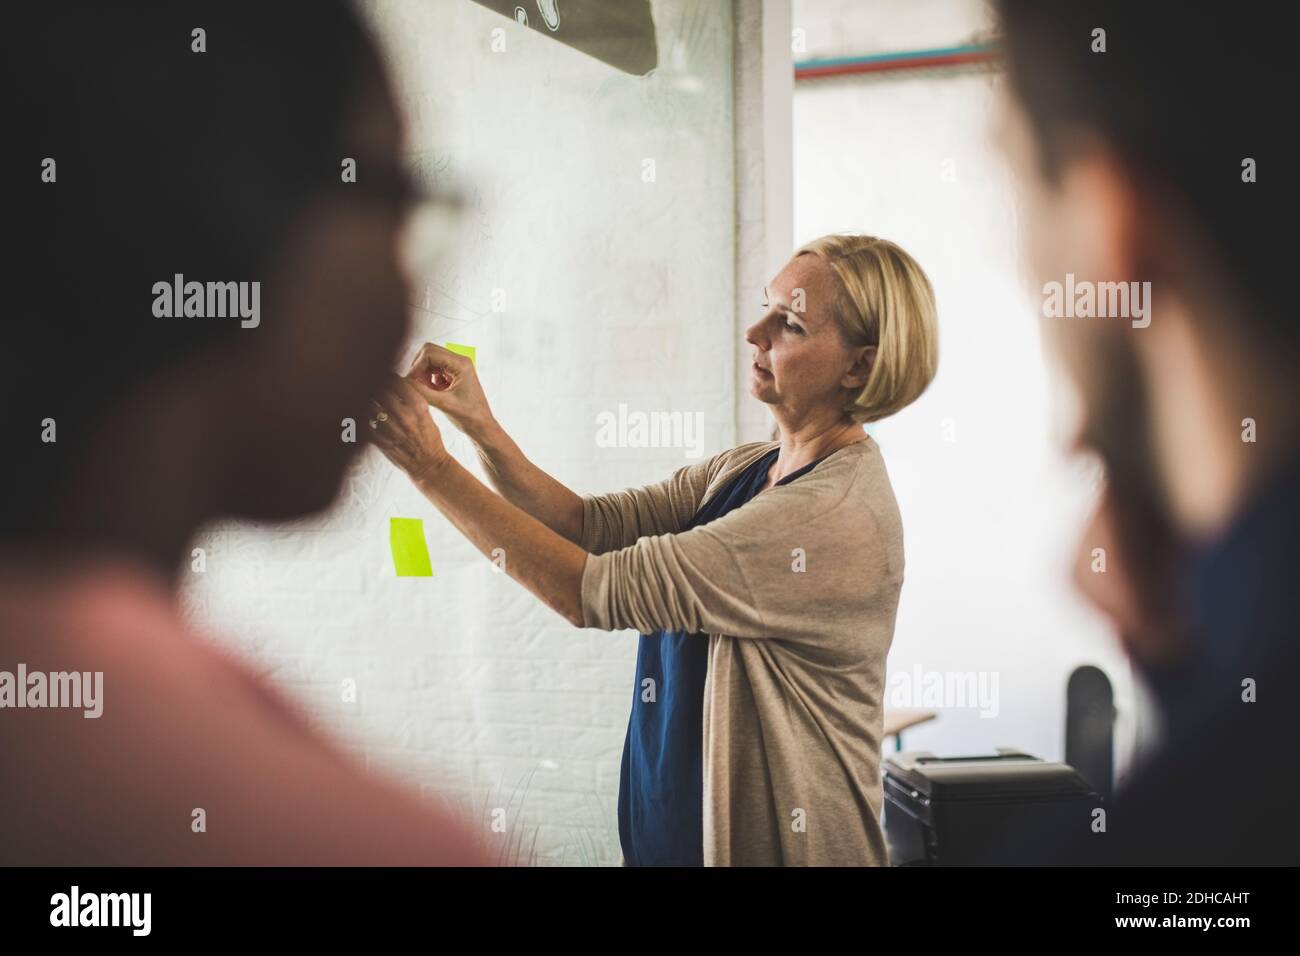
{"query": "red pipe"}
(912, 63)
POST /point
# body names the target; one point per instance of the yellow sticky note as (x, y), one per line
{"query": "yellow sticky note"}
(410, 553)
(467, 350)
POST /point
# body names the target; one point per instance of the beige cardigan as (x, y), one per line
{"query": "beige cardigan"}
(794, 694)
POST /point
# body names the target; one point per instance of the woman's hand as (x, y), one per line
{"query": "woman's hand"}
(540, 559)
(449, 382)
(404, 431)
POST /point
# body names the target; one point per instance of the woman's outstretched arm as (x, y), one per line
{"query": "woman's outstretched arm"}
(525, 485)
(536, 556)
(449, 382)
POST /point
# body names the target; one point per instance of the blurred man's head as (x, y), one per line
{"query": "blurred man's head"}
(216, 156)
(1135, 128)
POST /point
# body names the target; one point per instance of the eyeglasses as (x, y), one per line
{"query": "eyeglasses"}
(432, 215)
(431, 229)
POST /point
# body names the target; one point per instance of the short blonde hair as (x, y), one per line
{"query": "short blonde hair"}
(886, 301)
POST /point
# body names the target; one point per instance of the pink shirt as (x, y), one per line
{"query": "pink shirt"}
(184, 727)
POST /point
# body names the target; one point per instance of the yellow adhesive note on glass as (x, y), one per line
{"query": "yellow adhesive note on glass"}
(467, 350)
(410, 553)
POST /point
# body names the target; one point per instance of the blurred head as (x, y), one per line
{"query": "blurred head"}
(220, 166)
(1135, 155)
(849, 332)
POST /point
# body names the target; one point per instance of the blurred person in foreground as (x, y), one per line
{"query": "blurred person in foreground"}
(1144, 163)
(220, 165)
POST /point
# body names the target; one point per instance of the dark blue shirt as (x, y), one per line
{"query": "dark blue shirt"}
(661, 786)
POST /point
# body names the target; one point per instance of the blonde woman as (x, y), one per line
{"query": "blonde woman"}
(764, 581)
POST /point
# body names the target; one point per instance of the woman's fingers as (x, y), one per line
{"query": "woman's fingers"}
(407, 390)
(394, 403)
(407, 434)
(436, 356)
(449, 382)
(398, 404)
(433, 362)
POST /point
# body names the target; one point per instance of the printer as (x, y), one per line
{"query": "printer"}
(951, 811)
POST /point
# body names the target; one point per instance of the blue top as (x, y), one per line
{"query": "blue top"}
(661, 785)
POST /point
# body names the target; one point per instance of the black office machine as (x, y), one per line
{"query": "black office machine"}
(951, 811)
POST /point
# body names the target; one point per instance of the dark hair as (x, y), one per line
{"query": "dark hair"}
(168, 161)
(1183, 95)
